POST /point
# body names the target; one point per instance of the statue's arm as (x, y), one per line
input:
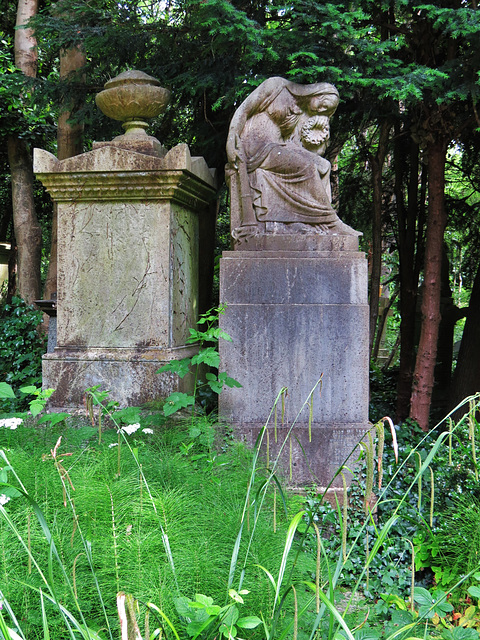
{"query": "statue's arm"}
(246, 110)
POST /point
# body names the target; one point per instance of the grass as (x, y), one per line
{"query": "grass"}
(184, 518)
(197, 505)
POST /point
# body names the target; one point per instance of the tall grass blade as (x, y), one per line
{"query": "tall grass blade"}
(7, 634)
(10, 612)
(46, 633)
(154, 607)
(286, 550)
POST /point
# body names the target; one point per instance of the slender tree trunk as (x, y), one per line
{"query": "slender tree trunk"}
(423, 377)
(407, 239)
(377, 160)
(69, 143)
(466, 378)
(26, 56)
(70, 136)
(28, 234)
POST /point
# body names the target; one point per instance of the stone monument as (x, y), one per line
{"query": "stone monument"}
(295, 285)
(130, 216)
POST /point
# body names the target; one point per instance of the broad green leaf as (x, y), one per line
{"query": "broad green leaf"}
(248, 622)
(6, 390)
(36, 407)
(181, 605)
(180, 367)
(176, 401)
(422, 596)
(209, 356)
(53, 418)
(228, 631)
(29, 389)
(231, 616)
(460, 633)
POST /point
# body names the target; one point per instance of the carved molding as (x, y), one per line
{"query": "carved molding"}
(179, 186)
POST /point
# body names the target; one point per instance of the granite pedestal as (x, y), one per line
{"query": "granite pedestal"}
(297, 312)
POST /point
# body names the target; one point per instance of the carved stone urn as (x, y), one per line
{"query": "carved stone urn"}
(134, 97)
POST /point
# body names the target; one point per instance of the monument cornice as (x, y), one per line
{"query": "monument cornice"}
(109, 174)
(178, 186)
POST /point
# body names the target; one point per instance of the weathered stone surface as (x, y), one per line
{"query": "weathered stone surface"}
(295, 318)
(128, 253)
(279, 177)
(130, 374)
(132, 95)
(303, 460)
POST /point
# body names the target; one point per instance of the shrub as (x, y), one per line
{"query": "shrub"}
(21, 348)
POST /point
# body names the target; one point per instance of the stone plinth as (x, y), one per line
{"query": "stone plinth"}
(296, 316)
(128, 253)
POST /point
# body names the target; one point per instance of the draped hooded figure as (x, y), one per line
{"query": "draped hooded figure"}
(279, 178)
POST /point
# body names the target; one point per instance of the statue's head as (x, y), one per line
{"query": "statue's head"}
(321, 98)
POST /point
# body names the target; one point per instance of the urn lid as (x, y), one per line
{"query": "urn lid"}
(132, 77)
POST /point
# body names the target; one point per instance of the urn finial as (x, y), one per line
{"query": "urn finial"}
(133, 97)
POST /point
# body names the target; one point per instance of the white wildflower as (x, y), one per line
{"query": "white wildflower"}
(114, 444)
(130, 428)
(11, 423)
(147, 430)
(4, 499)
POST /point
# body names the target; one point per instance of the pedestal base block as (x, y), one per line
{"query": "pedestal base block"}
(297, 317)
(132, 377)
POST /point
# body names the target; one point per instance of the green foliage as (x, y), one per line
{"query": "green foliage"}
(207, 355)
(118, 517)
(204, 617)
(431, 604)
(21, 349)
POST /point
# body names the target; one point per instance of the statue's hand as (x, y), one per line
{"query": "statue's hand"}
(235, 152)
(244, 232)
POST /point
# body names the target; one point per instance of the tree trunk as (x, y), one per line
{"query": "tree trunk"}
(28, 234)
(377, 162)
(408, 238)
(69, 143)
(70, 136)
(466, 378)
(26, 56)
(423, 377)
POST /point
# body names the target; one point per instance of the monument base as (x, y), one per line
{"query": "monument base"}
(130, 374)
(297, 317)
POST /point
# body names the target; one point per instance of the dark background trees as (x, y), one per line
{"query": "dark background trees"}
(407, 75)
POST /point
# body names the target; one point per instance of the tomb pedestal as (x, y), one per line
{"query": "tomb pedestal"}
(297, 312)
(128, 254)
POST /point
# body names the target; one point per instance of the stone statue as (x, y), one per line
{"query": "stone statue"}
(279, 179)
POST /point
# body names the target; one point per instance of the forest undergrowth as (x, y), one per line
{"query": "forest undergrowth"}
(178, 530)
